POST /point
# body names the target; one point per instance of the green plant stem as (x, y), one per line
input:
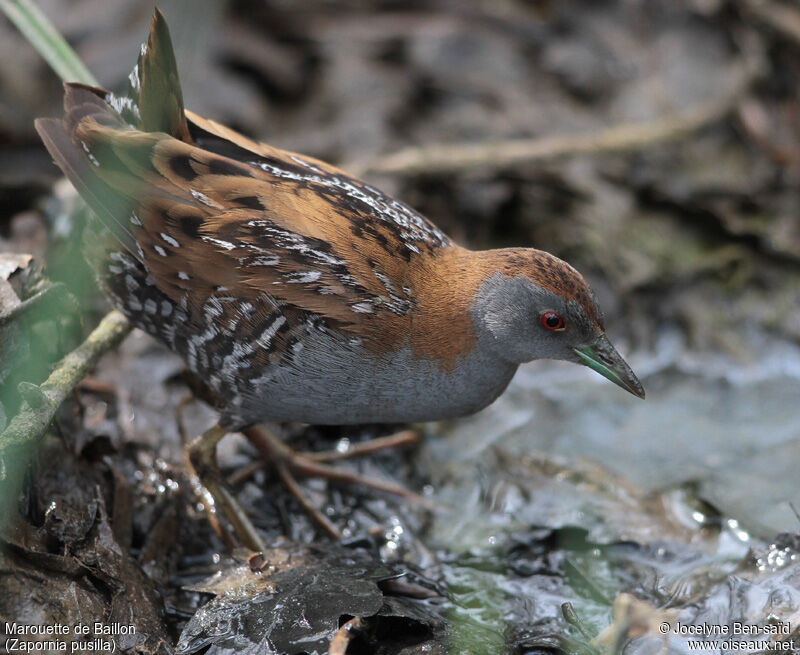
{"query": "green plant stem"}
(38, 29)
(30, 424)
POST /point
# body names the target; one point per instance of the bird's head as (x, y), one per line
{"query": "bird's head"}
(532, 305)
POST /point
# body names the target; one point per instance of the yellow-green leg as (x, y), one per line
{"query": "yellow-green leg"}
(202, 455)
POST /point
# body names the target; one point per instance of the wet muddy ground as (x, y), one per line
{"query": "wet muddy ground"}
(676, 510)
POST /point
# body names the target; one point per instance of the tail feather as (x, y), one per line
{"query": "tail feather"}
(112, 209)
(154, 86)
(153, 103)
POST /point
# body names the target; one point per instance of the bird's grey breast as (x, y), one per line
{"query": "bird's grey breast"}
(338, 380)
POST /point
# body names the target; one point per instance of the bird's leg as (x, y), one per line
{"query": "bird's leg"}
(187, 400)
(286, 461)
(202, 456)
(404, 438)
(308, 507)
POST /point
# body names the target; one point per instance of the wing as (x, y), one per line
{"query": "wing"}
(252, 222)
(210, 213)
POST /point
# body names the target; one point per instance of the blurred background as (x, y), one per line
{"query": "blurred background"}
(653, 144)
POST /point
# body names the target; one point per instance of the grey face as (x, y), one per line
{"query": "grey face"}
(509, 314)
(520, 321)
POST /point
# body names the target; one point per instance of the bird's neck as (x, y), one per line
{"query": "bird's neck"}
(446, 287)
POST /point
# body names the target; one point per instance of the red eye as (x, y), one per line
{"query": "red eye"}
(552, 321)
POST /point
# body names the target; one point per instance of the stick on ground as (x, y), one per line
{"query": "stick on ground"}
(448, 158)
(27, 427)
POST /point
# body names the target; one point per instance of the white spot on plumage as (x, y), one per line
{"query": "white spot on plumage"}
(160, 250)
(397, 305)
(173, 242)
(348, 279)
(308, 165)
(134, 78)
(385, 280)
(202, 197)
(191, 354)
(303, 276)
(324, 257)
(287, 240)
(238, 353)
(121, 104)
(270, 260)
(89, 154)
(150, 306)
(362, 307)
(219, 242)
(183, 276)
(413, 226)
(213, 307)
(209, 333)
(168, 332)
(266, 336)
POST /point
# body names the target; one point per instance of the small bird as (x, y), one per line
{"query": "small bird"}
(295, 291)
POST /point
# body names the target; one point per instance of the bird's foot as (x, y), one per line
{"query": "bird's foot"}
(202, 459)
(288, 462)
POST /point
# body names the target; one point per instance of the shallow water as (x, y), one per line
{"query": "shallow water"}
(569, 491)
(566, 491)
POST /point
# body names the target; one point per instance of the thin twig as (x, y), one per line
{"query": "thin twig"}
(571, 617)
(345, 635)
(443, 158)
(30, 424)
